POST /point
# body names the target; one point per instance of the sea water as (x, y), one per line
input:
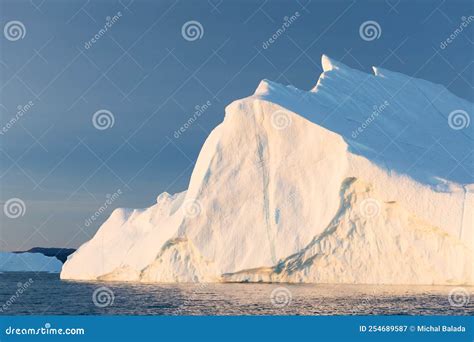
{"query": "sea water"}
(30, 293)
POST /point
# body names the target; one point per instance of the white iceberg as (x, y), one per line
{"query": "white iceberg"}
(360, 180)
(28, 262)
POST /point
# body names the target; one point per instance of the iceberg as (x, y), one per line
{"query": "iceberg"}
(362, 179)
(28, 262)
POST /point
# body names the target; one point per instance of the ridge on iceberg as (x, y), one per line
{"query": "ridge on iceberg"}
(264, 200)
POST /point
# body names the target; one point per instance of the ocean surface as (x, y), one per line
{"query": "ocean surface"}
(45, 294)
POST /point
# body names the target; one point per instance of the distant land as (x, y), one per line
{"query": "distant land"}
(60, 253)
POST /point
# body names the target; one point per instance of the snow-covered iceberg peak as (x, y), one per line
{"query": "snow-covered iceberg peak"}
(267, 185)
(329, 64)
(265, 87)
(399, 122)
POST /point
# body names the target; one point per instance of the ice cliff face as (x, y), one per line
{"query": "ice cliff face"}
(265, 201)
(369, 242)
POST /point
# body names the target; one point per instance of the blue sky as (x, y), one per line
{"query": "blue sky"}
(151, 79)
